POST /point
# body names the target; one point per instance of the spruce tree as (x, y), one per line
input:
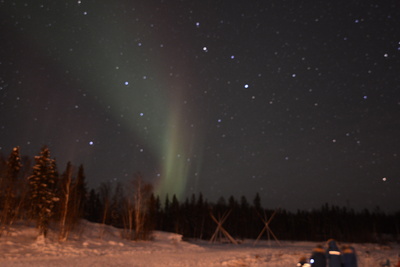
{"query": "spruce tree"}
(80, 192)
(176, 215)
(42, 184)
(257, 203)
(93, 207)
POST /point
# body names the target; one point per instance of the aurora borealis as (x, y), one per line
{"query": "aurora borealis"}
(132, 86)
(296, 101)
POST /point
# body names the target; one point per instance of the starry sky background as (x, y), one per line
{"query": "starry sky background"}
(296, 100)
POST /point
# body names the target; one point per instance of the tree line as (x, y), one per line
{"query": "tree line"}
(34, 191)
(193, 218)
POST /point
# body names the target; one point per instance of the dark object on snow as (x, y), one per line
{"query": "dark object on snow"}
(318, 257)
(349, 257)
(303, 262)
(334, 254)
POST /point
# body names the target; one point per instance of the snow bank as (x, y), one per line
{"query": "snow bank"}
(98, 245)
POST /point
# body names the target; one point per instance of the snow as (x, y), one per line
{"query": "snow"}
(98, 245)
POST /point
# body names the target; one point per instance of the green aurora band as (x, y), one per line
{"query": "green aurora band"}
(144, 98)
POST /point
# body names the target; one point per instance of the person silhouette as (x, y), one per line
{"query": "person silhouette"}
(333, 254)
(349, 256)
(303, 262)
(318, 257)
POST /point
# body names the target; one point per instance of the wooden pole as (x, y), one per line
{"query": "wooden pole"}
(220, 229)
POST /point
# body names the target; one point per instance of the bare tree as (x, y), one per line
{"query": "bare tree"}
(8, 187)
(141, 199)
(137, 210)
(105, 196)
(65, 202)
(117, 203)
(128, 218)
(22, 190)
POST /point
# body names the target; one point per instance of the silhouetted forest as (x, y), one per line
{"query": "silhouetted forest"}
(34, 191)
(245, 220)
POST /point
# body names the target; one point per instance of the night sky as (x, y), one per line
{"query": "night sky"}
(296, 100)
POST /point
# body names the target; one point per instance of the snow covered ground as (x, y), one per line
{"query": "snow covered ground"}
(20, 247)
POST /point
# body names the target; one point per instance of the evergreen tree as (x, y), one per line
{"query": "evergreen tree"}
(257, 203)
(154, 211)
(257, 216)
(203, 214)
(176, 215)
(117, 203)
(233, 224)
(245, 219)
(42, 184)
(93, 207)
(80, 192)
(166, 224)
